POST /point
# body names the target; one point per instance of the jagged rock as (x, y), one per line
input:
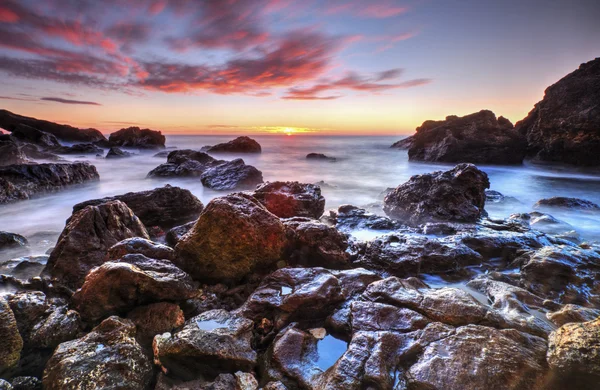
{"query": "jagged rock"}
(107, 357)
(291, 199)
(115, 152)
(320, 156)
(238, 145)
(405, 143)
(141, 246)
(372, 316)
(32, 135)
(454, 195)
(19, 182)
(156, 318)
(134, 280)
(11, 153)
(26, 383)
(349, 218)
(477, 138)
(185, 163)
(573, 313)
(563, 127)
(174, 235)
(89, 233)
(33, 152)
(561, 202)
(11, 342)
(316, 244)
(574, 351)
(211, 343)
(134, 137)
(10, 121)
(234, 236)
(238, 381)
(77, 149)
(231, 175)
(164, 206)
(548, 224)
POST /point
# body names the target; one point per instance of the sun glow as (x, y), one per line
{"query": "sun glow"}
(288, 131)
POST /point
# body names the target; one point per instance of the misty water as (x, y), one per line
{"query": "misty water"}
(365, 167)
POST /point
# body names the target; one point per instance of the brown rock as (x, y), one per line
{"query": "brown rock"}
(291, 199)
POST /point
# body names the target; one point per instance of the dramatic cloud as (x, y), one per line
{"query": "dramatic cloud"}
(67, 101)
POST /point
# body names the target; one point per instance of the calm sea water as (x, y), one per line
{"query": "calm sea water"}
(366, 166)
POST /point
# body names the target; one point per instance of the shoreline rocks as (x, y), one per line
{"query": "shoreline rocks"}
(291, 199)
(231, 175)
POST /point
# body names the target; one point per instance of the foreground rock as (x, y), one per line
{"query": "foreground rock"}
(89, 233)
(454, 195)
(234, 236)
(185, 163)
(134, 137)
(10, 122)
(212, 343)
(476, 138)
(560, 202)
(563, 127)
(11, 342)
(291, 199)
(117, 287)
(164, 206)
(315, 244)
(238, 145)
(107, 357)
(231, 175)
(19, 182)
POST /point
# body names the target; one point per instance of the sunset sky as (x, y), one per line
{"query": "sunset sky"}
(262, 66)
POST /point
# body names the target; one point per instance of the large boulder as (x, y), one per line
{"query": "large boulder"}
(164, 206)
(117, 287)
(19, 182)
(11, 342)
(89, 234)
(211, 343)
(134, 137)
(10, 121)
(108, 357)
(238, 145)
(288, 199)
(476, 138)
(454, 195)
(185, 163)
(231, 175)
(32, 135)
(565, 125)
(234, 236)
(156, 318)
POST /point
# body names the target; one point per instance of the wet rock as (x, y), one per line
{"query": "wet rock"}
(26, 383)
(316, 244)
(19, 182)
(211, 343)
(291, 199)
(174, 235)
(89, 233)
(134, 280)
(479, 357)
(454, 195)
(11, 153)
(77, 149)
(10, 121)
(371, 316)
(156, 318)
(32, 135)
(238, 145)
(563, 127)
(573, 313)
(349, 218)
(561, 202)
(115, 152)
(107, 357)
(495, 197)
(320, 156)
(548, 224)
(238, 381)
(34, 152)
(410, 255)
(234, 236)
(294, 294)
(4, 385)
(134, 137)
(477, 138)
(164, 206)
(11, 342)
(185, 163)
(141, 246)
(24, 268)
(574, 351)
(12, 240)
(231, 175)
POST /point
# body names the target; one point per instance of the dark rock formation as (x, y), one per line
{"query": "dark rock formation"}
(11, 153)
(291, 199)
(565, 126)
(32, 135)
(349, 218)
(454, 195)
(138, 245)
(108, 357)
(238, 145)
(174, 235)
(34, 152)
(164, 206)
(134, 280)
(185, 163)
(77, 149)
(22, 181)
(115, 152)
(231, 175)
(320, 156)
(12, 240)
(156, 318)
(234, 236)
(89, 233)
(10, 121)
(11, 342)
(212, 343)
(405, 143)
(561, 202)
(476, 138)
(134, 137)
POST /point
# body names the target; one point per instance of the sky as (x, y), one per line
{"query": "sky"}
(344, 67)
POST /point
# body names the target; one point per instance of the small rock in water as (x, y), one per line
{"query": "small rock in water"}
(320, 156)
(567, 203)
(238, 145)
